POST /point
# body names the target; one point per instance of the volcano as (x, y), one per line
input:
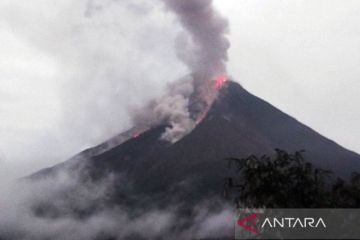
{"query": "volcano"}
(238, 124)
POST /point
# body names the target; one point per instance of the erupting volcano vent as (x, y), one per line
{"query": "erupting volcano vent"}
(202, 46)
(184, 106)
(204, 51)
(220, 81)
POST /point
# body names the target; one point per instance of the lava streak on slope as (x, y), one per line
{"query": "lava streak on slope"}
(218, 84)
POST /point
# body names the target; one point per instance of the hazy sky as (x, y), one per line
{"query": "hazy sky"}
(302, 56)
(71, 69)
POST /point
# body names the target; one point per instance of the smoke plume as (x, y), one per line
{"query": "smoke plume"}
(207, 54)
(203, 48)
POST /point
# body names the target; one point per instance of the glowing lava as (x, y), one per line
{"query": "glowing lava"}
(137, 132)
(136, 135)
(220, 81)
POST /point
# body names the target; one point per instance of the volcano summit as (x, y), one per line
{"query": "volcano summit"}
(237, 124)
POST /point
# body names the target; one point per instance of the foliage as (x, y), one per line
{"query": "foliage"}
(288, 181)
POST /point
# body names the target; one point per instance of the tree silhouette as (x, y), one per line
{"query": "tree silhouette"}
(287, 181)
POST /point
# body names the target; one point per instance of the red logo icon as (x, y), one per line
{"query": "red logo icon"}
(244, 223)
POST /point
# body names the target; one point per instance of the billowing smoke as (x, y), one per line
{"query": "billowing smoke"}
(203, 48)
(172, 108)
(65, 207)
(206, 54)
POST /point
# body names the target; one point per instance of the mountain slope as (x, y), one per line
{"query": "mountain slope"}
(237, 125)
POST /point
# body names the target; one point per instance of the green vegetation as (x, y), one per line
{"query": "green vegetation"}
(288, 181)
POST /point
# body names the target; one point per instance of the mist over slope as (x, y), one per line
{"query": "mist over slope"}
(138, 185)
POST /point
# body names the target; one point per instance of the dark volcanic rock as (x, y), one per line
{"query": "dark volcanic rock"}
(237, 125)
